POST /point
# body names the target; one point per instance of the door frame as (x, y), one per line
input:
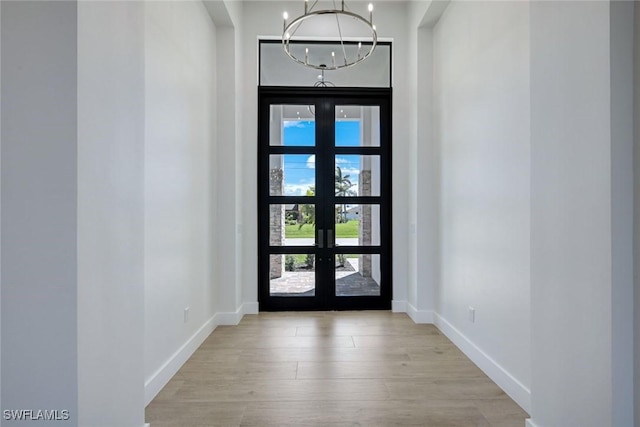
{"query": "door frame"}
(325, 298)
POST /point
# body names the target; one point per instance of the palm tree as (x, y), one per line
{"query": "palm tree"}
(343, 187)
(308, 212)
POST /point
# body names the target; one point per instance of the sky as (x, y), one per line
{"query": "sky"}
(299, 169)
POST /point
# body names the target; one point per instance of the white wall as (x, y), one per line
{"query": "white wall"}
(110, 214)
(264, 18)
(412, 76)
(227, 212)
(622, 117)
(428, 179)
(424, 201)
(240, 72)
(227, 18)
(415, 11)
(481, 57)
(571, 211)
(180, 184)
(637, 212)
(236, 12)
(0, 209)
(425, 226)
(39, 221)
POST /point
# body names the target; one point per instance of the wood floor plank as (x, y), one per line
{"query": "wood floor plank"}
(366, 330)
(199, 370)
(374, 341)
(435, 352)
(326, 354)
(364, 413)
(280, 390)
(194, 414)
(501, 412)
(385, 370)
(280, 331)
(261, 341)
(446, 388)
(310, 319)
(168, 393)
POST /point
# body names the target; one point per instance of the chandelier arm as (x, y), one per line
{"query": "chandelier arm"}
(296, 30)
(344, 50)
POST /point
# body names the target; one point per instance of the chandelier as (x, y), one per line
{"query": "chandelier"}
(349, 52)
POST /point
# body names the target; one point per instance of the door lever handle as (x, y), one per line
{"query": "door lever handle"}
(330, 239)
(320, 239)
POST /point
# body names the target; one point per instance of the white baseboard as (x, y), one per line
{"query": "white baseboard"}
(514, 388)
(250, 308)
(419, 316)
(228, 318)
(162, 376)
(529, 423)
(233, 318)
(399, 306)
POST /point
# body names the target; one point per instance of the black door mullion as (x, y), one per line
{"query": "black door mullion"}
(325, 189)
(328, 180)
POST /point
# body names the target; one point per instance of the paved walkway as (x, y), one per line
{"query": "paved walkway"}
(302, 283)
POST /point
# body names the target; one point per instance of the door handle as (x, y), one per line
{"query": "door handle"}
(329, 239)
(320, 239)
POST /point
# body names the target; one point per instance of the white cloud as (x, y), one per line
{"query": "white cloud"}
(353, 172)
(311, 161)
(346, 166)
(295, 124)
(301, 189)
(297, 189)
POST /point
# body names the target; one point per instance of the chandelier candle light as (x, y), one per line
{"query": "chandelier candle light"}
(352, 52)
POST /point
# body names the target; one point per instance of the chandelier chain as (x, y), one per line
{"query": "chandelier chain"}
(344, 50)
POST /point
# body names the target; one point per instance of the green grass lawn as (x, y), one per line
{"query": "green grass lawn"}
(348, 229)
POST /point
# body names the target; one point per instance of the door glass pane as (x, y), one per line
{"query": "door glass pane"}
(292, 175)
(357, 126)
(292, 125)
(292, 224)
(357, 225)
(292, 275)
(357, 175)
(357, 275)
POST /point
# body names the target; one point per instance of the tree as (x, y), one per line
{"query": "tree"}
(343, 187)
(308, 212)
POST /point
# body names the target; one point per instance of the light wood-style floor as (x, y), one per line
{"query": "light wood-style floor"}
(368, 368)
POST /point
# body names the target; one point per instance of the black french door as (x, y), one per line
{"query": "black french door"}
(324, 189)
